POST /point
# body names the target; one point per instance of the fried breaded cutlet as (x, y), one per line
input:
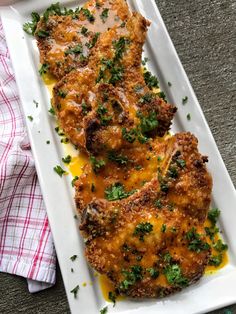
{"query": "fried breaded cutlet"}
(153, 243)
(65, 38)
(144, 195)
(108, 105)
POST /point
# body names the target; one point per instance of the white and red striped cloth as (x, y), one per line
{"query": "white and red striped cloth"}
(26, 245)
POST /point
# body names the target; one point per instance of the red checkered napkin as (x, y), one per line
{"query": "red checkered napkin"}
(26, 245)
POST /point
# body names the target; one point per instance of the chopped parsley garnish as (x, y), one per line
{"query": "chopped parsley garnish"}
(120, 46)
(73, 258)
(220, 246)
(185, 100)
(112, 297)
(98, 5)
(138, 88)
(52, 111)
(131, 277)
(116, 74)
(118, 158)
(90, 17)
(75, 291)
(77, 49)
(30, 27)
(104, 310)
(153, 272)
(163, 228)
(104, 15)
(74, 180)
(188, 116)
(174, 276)
(59, 170)
(195, 242)
(151, 80)
(215, 260)
(30, 118)
(92, 43)
(149, 123)
(117, 192)
(59, 131)
(158, 204)
(129, 136)
(36, 103)
(211, 232)
(167, 258)
(72, 270)
(143, 229)
(55, 9)
(111, 70)
(145, 61)
(146, 98)
(67, 159)
(162, 95)
(42, 33)
(44, 68)
(164, 187)
(48, 142)
(102, 114)
(61, 93)
(213, 215)
(169, 84)
(97, 164)
(65, 140)
(181, 163)
(84, 31)
(84, 108)
(173, 172)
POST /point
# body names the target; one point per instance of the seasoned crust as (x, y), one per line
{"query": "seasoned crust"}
(102, 93)
(109, 227)
(66, 32)
(112, 102)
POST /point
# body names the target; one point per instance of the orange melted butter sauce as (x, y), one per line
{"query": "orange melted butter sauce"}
(225, 258)
(79, 161)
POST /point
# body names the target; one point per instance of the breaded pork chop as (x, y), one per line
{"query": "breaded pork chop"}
(153, 243)
(108, 105)
(65, 39)
(132, 167)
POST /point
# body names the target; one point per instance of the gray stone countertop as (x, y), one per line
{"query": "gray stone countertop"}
(204, 34)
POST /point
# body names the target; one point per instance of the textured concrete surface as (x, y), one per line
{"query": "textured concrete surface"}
(203, 32)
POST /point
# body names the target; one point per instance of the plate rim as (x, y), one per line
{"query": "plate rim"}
(6, 13)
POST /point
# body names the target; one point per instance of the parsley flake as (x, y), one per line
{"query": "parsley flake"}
(73, 257)
(143, 229)
(67, 159)
(30, 118)
(104, 15)
(73, 181)
(185, 100)
(117, 192)
(213, 215)
(59, 170)
(97, 164)
(30, 27)
(104, 310)
(75, 291)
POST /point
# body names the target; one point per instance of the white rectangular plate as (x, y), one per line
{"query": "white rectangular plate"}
(211, 292)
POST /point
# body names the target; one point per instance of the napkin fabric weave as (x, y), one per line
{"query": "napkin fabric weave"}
(26, 245)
